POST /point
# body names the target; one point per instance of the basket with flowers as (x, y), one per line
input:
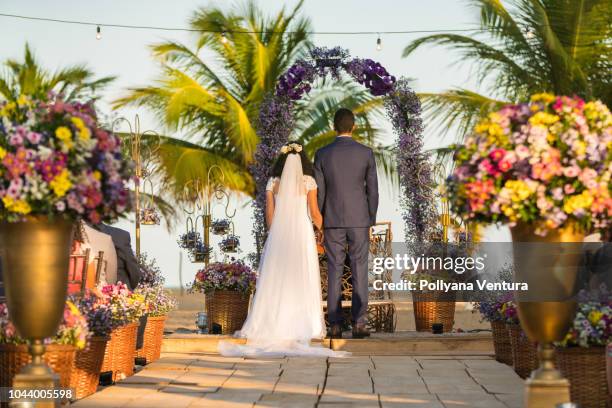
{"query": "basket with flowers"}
(158, 304)
(581, 356)
(71, 336)
(227, 287)
(126, 308)
(88, 362)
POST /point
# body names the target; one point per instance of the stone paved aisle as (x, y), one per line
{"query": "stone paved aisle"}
(204, 380)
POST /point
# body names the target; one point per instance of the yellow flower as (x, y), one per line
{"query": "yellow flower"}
(519, 190)
(61, 183)
(73, 309)
(577, 202)
(78, 122)
(83, 131)
(16, 206)
(543, 118)
(97, 175)
(2, 153)
(543, 97)
(595, 316)
(65, 135)
(23, 100)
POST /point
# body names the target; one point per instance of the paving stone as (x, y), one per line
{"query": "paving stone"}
(210, 364)
(394, 360)
(153, 377)
(478, 400)
(342, 370)
(287, 399)
(201, 379)
(441, 364)
(306, 389)
(170, 364)
(164, 400)
(455, 389)
(410, 400)
(187, 389)
(348, 384)
(263, 384)
(501, 388)
(127, 390)
(483, 364)
(97, 401)
(335, 396)
(227, 399)
(511, 400)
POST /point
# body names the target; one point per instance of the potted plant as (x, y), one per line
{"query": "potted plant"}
(227, 287)
(60, 350)
(490, 310)
(149, 216)
(189, 239)
(88, 362)
(230, 244)
(220, 227)
(524, 351)
(544, 168)
(581, 356)
(200, 252)
(57, 166)
(158, 304)
(126, 310)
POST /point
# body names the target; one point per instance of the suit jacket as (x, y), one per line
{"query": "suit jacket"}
(99, 241)
(345, 171)
(128, 269)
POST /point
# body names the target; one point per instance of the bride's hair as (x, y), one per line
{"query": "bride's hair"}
(279, 164)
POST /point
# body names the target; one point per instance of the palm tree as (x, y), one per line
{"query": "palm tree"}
(526, 47)
(29, 78)
(212, 93)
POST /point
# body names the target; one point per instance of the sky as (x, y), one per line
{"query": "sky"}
(126, 54)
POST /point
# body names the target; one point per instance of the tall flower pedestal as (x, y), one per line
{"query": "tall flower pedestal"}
(35, 257)
(549, 266)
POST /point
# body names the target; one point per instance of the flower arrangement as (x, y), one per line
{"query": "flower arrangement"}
(547, 163)
(150, 272)
(149, 216)
(158, 301)
(97, 312)
(291, 147)
(220, 227)
(189, 239)
(230, 243)
(234, 276)
(592, 325)
(73, 329)
(509, 312)
(56, 161)
(200, 251)
(126, 306)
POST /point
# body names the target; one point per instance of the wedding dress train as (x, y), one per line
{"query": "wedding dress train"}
(286, 312)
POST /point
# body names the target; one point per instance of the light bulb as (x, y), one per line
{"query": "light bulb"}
(378, 44)
(529, 34)
(223, 38)
(98, 33)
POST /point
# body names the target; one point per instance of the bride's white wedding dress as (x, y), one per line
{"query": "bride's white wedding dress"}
(286, 312)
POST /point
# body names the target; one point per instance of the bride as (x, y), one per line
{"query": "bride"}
(286, 312)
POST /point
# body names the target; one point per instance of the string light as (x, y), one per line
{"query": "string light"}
(529, 34)
(160, 28)
(379, 44)
(98, 33)
(223, 38)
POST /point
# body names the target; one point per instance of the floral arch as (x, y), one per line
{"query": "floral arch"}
(276, 121)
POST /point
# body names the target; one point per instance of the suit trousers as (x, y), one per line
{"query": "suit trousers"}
(358, 242)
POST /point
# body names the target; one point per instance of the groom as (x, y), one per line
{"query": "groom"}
(345, 171)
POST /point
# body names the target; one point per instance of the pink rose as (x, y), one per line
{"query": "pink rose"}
(571, 171)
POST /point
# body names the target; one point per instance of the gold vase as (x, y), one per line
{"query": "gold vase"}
(549, 265)
(35, 260)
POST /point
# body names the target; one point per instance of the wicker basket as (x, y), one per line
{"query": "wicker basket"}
(153, 337)
(227, 308)
(119, 353)
(87, 366)
(434, 307)
(501, 343)
(524, 352)
(585, 368)
(59, 357)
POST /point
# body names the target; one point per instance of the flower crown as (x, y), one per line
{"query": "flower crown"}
(291, 147)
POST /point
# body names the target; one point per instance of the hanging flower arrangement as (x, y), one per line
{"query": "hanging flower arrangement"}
(230, 244)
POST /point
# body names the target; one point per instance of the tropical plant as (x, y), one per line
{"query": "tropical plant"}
(29, 78)
(212, 92)
(525, 47)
